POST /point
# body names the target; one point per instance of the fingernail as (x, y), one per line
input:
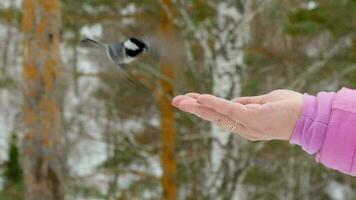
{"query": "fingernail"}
(176, 100)
(183, 106)
(174, 104)
(193, 95)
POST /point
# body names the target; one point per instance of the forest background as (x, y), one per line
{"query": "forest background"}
(73, 127)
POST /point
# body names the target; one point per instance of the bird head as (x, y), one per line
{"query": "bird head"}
(135, 44)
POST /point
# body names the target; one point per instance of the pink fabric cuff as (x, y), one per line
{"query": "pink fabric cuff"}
(312, 125)
(327, 128)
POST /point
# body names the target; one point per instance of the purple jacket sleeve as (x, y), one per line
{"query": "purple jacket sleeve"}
(327, 128)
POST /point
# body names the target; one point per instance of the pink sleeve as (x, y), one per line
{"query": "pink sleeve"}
(327, 128)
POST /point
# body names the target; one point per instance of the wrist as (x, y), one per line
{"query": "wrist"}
(297, 111)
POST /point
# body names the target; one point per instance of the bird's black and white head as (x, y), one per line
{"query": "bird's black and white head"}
(135, 47)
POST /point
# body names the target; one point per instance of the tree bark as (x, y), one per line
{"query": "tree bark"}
(42, 160)
(233, 30)
(168, 135)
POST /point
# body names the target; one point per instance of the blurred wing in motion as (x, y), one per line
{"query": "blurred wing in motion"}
(155, 47)
(130, 79)
(168, 50)
(90, 43)
(171, 50)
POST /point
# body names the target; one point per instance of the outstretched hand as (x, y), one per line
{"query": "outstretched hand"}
(266, 117)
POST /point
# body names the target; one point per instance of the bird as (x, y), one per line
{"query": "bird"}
(121, 53)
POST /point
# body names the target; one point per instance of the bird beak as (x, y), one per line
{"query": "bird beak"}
(147, 48)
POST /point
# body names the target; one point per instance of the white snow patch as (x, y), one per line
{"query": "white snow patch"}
(90, 154)
(85, 65)
(312, 5)
(129, 9)
(338, 191)
(226, 10)
(93, 31)
(154, 121)
(7, 3)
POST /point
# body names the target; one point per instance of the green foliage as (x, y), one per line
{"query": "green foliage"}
(122, 157)
(13, 171)
(251, 87)
(86, 191)
(7, 82)
(13, 174)
(15, 192)
(77, 14)
(338, 17)
(201, 11)
(12, 16)
(305, 27)
(258, 176)
(142, 184)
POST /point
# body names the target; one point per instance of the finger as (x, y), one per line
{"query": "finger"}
(208, 114)
(252, 138)
(176, 100)
(191, 106)
(235, 111)
(229, 125)
(238, 128)
(193, 95)
(249, 100)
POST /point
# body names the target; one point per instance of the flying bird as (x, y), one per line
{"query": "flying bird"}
(125, 52)
(121, 53)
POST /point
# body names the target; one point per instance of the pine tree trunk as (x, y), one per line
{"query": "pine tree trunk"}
(168, 135)
(42, 118)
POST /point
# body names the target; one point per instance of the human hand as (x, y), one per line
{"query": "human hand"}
(266, 117)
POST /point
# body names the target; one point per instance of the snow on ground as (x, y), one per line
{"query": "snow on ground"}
(7, 3)
(338, 191)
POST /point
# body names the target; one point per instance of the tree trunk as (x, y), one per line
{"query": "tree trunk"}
(42, 161)
(233, 31)
(168, 135)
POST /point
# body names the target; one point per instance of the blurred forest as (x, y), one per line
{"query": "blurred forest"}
(72, 127)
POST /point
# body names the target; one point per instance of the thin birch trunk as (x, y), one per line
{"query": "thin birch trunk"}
(232, 33)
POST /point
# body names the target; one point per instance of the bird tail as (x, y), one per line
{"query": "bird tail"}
(89, 43)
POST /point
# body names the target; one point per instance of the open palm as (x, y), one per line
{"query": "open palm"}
(266, 117)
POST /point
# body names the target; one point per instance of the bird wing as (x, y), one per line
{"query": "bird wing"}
(90, 43)
(155, 47)
(131, 80)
